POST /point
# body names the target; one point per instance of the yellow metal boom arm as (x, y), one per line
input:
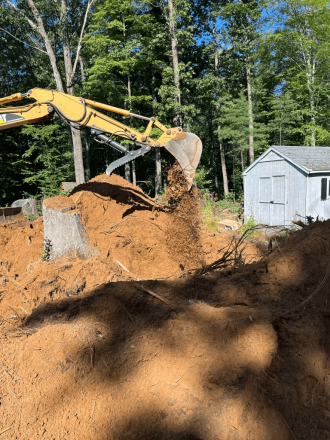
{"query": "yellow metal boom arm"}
(79, 113)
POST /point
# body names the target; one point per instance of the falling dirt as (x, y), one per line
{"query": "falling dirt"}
(184, 229)
(127, 345)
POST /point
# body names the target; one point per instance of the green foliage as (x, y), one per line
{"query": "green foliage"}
(48, 146)
(44, 254)
(284, 118)
(211, 208)
(230, 197)
(235, 131)
(249, 224)
(209, 211)
(30, 217)
(201, 178)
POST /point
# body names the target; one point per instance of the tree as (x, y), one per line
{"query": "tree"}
(300, 45)
(34, 17)
(284, 118)
(241, 23)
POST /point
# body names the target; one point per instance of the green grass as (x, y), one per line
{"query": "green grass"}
(211, 208)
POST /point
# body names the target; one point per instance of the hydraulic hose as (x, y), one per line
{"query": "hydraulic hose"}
(113, 144)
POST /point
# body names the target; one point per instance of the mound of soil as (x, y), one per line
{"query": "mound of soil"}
(127, 345)
(134, 238)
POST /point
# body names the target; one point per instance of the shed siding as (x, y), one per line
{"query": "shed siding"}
(294, 187)
(296, 193)
(316, 206)
(271, 156)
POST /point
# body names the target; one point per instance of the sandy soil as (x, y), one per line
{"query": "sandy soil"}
(136, 344)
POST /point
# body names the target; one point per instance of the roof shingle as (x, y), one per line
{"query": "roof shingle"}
(310, 158)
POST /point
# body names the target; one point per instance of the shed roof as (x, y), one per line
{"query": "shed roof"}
(309, 159)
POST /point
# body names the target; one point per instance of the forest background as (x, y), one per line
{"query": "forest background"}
(242, 75)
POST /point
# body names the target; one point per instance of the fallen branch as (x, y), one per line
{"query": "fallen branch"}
(312, 294)
(233, 253)
(127, 312)
(125, 268)
(288, 426)
(139, 286)
(146, 220)
(7, 429)
(108, 231)
(149, 292)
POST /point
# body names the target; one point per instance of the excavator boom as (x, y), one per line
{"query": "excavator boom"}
(79, 113)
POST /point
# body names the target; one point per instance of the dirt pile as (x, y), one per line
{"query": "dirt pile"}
(238, 353)
(129, 233)
(127, 225)
(20, 244)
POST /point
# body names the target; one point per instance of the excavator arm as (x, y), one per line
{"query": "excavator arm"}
(80, 113)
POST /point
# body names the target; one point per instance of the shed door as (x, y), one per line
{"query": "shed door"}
(278, 205)
(265, 194)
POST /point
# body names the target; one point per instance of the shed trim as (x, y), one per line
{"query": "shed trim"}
(318, 172)
(273, 148)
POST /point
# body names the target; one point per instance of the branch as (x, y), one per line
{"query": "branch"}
(21, 41)
(50, 52)
(89, 5)
(33, 25)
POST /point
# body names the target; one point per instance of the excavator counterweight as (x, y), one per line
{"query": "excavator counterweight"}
(79, 112)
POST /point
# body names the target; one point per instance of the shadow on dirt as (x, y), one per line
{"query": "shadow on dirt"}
(206, 365)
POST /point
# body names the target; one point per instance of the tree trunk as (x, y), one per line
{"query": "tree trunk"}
(49, 49)
(128, 172)
(234, 185)
(82, 69)
(177, 99)
(312, 103)
(76, 138)
(158, 179)
(78, 156)
(243, 166)
(222, 151)
(128, 165)
(250, 109)
(87, 132)
(88, 157)
(215, 167)
(313, 141)
(311, 64)
(158, 176)
(133, 173)
(223, 167)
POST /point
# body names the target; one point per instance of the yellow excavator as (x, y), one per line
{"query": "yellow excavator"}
(79, 112)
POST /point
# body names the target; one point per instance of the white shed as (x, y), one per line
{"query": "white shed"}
(288, 183)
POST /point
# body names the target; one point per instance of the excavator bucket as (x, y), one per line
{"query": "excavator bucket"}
(187, 149)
